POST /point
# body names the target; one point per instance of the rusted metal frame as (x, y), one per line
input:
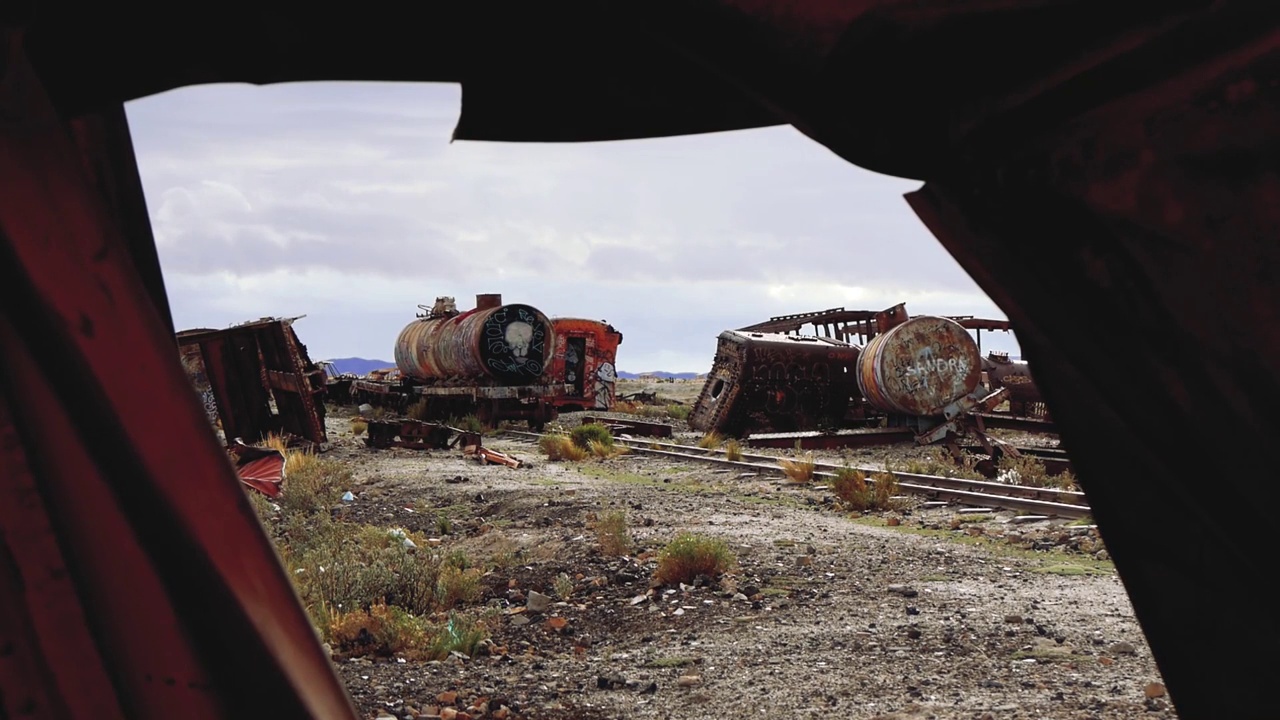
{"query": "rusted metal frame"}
(1171, 49)
(126, 608)
(1122, 462)
(1014, 422)
(51, 655)
(634, 427)
(106, 145)
(972, 492)
(309, 412)
(496, 392)
(239, 378)
(98, 345)
(817, 440)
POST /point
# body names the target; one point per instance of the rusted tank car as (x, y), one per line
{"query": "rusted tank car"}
(505, 344)
(584, 361)
(1014, 375)
(500, 362)
(774, 382)
(919, 367)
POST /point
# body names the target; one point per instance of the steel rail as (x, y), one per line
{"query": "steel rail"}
(974, 493)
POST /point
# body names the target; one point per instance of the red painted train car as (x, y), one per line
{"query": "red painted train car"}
(584, 361)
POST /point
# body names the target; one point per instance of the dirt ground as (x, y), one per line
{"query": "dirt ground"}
(942, 615)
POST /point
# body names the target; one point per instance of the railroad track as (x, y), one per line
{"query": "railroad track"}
(972, 493)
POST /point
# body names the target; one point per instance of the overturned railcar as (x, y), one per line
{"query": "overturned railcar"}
(919, 367)
(1015, 376)
(763, 382)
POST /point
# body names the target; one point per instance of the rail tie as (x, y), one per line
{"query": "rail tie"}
(975, 493)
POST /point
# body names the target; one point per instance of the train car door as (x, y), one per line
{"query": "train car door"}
(575, 360)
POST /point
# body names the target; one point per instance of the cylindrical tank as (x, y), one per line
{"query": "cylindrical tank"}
(1012, 374)
(511, 344)
(919, 367)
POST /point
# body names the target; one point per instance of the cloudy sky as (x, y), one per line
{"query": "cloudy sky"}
(346, 202)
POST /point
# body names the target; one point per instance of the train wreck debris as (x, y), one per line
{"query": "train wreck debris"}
(631, 426)
(258, 467)
(487, 456)
(498, 362)
(771, 381)
(416, 435)
(256, 379)
(920, 379)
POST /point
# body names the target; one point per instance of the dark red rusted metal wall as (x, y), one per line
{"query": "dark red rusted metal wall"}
(137, 580)
(1083, 162)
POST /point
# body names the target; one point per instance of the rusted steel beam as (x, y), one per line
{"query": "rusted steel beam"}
(632, 426)
(816, 440)
(1014, 422)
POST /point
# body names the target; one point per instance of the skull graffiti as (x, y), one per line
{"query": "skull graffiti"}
(518, 337)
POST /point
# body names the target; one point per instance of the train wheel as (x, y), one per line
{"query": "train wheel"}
(537, 425)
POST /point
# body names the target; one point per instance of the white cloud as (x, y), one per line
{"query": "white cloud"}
(347, 202)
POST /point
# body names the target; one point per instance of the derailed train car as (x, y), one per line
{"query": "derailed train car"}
(774, 381)
(498, 362)
(910, 372)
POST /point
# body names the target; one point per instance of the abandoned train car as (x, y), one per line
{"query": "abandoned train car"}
(586, 351)
(919, 367)
(498, 362)
(772, 381)
(999, 371)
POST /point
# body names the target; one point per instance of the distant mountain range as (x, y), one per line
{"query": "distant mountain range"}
(360, 366)
(658, 374)
(363, 366)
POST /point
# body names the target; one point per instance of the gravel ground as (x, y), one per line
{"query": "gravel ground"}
(925, 612)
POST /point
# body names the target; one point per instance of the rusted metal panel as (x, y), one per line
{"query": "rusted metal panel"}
(152, 590)
(1012, 374)
(767, 381)
(585, 361)
(1171, 188)
(412, 434)
(510, 344)
(246, 368)
(920, 367)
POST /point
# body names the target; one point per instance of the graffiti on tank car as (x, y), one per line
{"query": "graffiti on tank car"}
(515, 342)
(931, 366)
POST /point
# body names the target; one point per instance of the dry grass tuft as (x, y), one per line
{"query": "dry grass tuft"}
(733, 450)
(1029, 470)
(587, 433)
(941, 463)
(359, 427)
(851, 487)
(561, 447)
(613, 534)
(388, 630)
(798, 471)
(689, 556)
(711, 440)
(367, 588)
(563, 586)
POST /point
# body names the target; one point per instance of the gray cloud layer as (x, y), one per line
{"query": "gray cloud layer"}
(358, 184)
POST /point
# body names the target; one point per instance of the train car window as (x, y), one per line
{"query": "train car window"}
(575, 354)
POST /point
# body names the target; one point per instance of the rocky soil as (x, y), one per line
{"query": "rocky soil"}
(924, 612)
